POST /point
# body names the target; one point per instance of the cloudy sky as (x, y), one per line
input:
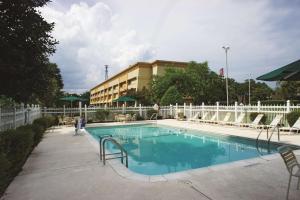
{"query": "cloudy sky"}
(262, 35)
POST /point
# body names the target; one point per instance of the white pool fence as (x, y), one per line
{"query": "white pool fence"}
(17, 116)
(13, 117)
(188, 110)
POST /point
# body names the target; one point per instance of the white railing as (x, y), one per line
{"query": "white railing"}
(188, 110)
(13, 117)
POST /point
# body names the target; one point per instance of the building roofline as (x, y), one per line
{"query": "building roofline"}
(136, 64)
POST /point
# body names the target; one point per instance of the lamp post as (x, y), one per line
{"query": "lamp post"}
(249, 90)
(226, 48)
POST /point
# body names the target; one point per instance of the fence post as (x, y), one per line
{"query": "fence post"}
(28, 114)
(235, 111)
(0, 120)
(191, 110)
(176, 110)
(140, 110)
(14, 124)
(202, 109)
(217, 111)
(123, 108)
(44, 111)
(80, 111)
(85, 113)
(288, 106)
(171, 110)
(258, 106)
(64, 111)
(184, 107)
(24, 113)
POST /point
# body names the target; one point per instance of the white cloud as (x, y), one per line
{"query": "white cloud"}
(262, 35)
(90, 37)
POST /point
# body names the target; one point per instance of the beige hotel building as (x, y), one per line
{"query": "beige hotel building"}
(134, 77)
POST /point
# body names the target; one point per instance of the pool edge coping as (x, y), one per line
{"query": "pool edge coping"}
(126, 173)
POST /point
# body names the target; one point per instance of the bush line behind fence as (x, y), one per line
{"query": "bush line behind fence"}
(188, 110)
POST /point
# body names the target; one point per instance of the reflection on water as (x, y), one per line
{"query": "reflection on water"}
(156, 150)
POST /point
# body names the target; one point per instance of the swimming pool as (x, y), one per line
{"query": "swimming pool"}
(156, 149)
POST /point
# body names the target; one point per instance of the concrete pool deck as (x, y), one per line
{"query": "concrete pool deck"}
(64, 166)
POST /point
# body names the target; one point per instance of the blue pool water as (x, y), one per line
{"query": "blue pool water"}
(155, 149)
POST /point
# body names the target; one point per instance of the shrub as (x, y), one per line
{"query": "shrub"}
(150, 113)
(102, 115)
(139, 117)
(171, 96)
(254, 114)
(38, 133)
(5, 176)
(292, 117)
(45, 122)
(16, 145)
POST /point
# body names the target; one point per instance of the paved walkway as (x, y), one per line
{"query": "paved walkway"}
(64, 166)
(285, 137)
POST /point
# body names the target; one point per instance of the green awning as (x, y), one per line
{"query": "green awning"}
(124, 99)
(290, 72)
(72, 98)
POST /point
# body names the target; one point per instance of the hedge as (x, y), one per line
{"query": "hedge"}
(16, 145)
(292, 117)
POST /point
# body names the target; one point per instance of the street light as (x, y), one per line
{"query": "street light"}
(226, 48)
(249, 90)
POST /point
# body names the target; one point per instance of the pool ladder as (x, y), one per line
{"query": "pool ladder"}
(122, 154)
(268, 138)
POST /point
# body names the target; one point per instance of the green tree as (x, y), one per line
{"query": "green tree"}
(288, 90)
(172, 77)
(25, 45)
(143, 97)
(204, 85)
(50, 85)
(86, 95)
(171, 96)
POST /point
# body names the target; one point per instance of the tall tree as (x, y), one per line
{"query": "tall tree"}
(288, 90)
(25, 45)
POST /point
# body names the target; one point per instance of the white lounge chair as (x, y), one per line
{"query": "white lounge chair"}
(203, 117)
(295, 127)
(195, 117)
(255, 122)
(275, 122)
(211, 120)
(239, 120)
(226, 119)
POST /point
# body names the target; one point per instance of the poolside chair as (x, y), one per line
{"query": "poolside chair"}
(60, 121)
(291, 164)
(211, 120)
(203, 117)
(239, 120)
(275, 122)
(195, 117)
(226, 119)
(255, 122)
(295, 127)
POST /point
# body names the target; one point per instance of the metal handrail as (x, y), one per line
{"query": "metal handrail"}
(100, 143)
(123, 151)
(278, 135)
(268, 138)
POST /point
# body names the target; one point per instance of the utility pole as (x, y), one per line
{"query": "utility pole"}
(226, 48)
(106, 72)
